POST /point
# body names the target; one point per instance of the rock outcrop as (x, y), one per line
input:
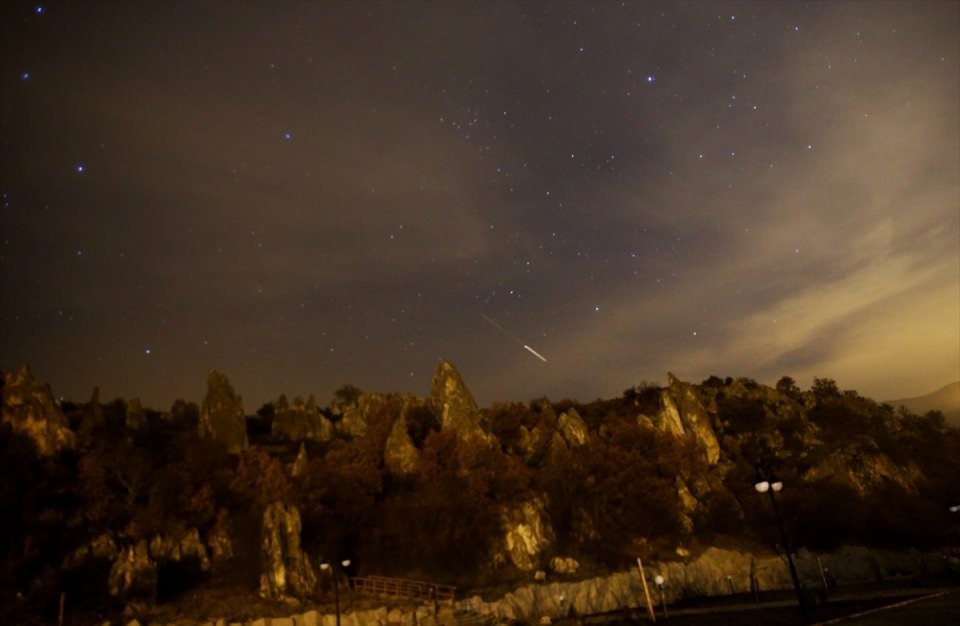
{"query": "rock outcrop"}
(572, 428)
(681, 401)
(134, 569)
(399, 454)
(221, 414)
(454, 403)
(30, 408)
(300, 420)
(713, 573)
(527, 534)
(136, 416)
(864, 467)
(287, 570)
(134, 572)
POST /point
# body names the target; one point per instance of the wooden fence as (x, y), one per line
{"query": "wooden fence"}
(402, 588)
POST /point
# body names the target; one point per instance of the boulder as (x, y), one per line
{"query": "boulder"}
(564, 565)
(30, 408)
(287, 569)
(221, 414)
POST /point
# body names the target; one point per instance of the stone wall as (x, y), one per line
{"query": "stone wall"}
(706, 575)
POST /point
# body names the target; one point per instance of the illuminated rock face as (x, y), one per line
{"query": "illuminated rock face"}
(455, 404)
(572, 428)
(30, 408)
(287, 570)
(400, 455)
(221, 416)
(527, 534)
(681, 403)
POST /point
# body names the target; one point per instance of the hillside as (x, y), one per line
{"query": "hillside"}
(118, 505)
(946, 400)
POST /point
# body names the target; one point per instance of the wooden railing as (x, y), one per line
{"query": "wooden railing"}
(402, 587)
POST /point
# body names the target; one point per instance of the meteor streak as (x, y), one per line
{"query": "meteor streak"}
(512, 336)
(535, 353)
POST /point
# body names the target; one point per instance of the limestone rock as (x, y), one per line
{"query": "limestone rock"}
(400, 455)
(300, 464)
(221, 415)
(527, 533)
(30, 408)
(572, 428)
(219, 538)
(861, 465)
(134, 572)
(136, 416)
(564, 565)
(695, 419)
(455, 404)
(301, 420)
(92, 418)
(186, 546)
(102, 547)
(287, 569)
(688, 505)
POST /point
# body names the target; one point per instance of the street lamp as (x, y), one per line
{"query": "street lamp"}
(773, 487)
(658, 581)
(327, 567)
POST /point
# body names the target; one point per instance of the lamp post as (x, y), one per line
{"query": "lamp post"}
(658, 581)
(772, 488)
(329, 567)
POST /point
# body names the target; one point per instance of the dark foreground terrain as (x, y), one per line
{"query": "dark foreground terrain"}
(878, 607)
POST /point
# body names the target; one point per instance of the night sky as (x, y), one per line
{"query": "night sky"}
(309, 194)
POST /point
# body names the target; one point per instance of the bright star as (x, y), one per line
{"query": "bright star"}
(80, 168)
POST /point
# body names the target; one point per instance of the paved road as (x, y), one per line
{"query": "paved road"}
(940, 609)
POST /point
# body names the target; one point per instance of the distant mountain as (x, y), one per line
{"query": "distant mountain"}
(946, 400)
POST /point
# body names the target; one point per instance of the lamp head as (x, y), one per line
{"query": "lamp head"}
(762, 486)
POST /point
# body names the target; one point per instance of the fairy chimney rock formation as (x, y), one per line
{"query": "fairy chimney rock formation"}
(455, 404)
(221, 415)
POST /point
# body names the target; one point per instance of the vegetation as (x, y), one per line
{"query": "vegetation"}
(619, 492)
